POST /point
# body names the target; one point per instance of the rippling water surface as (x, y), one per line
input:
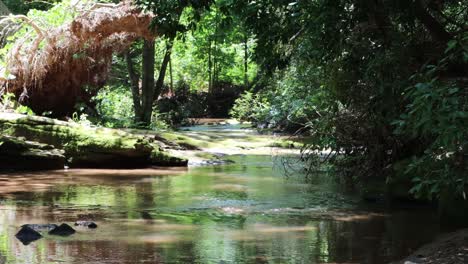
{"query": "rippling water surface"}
(244, 212)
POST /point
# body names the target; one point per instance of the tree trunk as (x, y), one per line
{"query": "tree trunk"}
(210, 73)
(135, 86)
(163, 69)
(147, 89)
(171, 77)
(215, 68)
(246, 62)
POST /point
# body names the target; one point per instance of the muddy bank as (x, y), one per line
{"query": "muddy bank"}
(451, 248)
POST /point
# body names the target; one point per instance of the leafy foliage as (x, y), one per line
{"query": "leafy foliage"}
(22, 7)
(114, 106)
(342, 69)
(437, 113)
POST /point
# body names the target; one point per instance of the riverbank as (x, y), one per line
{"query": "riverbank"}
(451, 248)
(28, 142)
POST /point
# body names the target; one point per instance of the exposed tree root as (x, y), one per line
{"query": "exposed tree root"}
(55, 68)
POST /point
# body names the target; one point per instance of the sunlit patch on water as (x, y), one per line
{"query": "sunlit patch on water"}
(232, 210)
(231, 188)
(161, 239)
(265, 232)
(350, 217)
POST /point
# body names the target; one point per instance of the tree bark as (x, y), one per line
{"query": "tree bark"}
(135, 87)
(171, 77)
(215, 68)
(246, 62)
(210, 73)
(147, 89)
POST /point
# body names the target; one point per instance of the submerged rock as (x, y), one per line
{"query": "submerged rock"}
(146, 216)
(87, 224)
(62, 230)
(27, 235)
(41, 227)
(19, 154)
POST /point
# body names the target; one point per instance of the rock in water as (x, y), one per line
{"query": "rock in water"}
(146, 216)
(27, 235)
(87, 224)
(40, 227)
(62, 230)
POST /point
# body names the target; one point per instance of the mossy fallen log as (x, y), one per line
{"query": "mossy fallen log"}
(161, 158)
(86, 146)
(20, 154)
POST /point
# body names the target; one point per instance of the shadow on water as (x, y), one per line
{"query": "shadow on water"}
(244, 212)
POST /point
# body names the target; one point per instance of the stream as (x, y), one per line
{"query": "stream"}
(246, 211)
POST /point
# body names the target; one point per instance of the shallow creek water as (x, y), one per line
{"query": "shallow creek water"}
(242, 212)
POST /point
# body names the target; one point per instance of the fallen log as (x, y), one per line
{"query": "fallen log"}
(89, 147)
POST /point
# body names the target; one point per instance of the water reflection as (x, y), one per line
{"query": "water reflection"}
(237, 213)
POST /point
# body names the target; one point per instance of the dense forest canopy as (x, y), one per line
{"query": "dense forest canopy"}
(380, 84)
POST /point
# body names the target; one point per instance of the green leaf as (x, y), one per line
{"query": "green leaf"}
(451, 45)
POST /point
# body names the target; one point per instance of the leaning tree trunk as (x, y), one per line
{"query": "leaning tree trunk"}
(163, 70)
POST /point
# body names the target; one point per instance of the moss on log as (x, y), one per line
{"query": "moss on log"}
(161, 158)
(20, 154)
(86, 146)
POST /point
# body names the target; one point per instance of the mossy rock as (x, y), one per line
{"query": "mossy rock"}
(84, 146)
(160, 158)
(20, 154)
